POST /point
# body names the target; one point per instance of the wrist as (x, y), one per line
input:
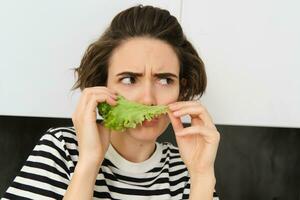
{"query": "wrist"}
(204, 172)
(202, 185)
(203, 176)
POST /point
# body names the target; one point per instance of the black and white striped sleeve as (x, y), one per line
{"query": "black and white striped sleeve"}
(46, 172)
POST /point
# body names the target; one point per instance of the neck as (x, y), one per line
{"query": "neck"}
(130, 148)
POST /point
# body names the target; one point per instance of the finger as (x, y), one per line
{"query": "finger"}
(93, 103)
(181, 104)
(210, 135)
(175, 121)
(88, 93)
(97, 90)
(195, 112)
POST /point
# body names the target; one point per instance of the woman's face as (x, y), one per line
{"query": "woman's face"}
(146, 71)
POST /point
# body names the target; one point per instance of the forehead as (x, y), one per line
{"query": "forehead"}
(142, 55)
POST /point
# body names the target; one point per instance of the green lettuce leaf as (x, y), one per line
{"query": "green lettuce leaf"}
(128, 114)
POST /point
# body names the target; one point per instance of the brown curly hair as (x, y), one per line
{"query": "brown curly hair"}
(143, 21)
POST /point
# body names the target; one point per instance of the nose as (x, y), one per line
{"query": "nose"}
(148, 94)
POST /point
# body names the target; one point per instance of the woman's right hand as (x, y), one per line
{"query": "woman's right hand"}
(93, 138)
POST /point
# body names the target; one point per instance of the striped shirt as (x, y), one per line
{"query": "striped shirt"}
(50, 167)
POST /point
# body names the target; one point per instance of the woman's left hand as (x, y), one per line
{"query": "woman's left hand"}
(198, 143)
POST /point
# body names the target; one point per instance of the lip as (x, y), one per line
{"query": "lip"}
(147, 123)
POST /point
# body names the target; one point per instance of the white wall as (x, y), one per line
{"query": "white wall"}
(250, 50)
(252, 54)
(41, 41)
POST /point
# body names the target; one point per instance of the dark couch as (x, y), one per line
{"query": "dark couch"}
(252, 162)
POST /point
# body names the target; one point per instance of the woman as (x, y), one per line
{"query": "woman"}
(145, 57)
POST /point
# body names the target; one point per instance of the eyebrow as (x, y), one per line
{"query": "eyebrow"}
(167, 74)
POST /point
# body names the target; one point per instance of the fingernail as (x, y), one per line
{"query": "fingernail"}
(176, 113)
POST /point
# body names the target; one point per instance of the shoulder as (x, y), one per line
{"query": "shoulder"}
(169, 149)
(63, 138)
(62, 132)
(64, 135)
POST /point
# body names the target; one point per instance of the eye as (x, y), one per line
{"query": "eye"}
(128, 80)
(166, 81)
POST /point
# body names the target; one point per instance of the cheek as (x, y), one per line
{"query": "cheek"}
(113, 84)
(174, 94)
(169, 97)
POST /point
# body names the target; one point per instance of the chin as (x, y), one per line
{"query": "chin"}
(144, 133)
(148, 133)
